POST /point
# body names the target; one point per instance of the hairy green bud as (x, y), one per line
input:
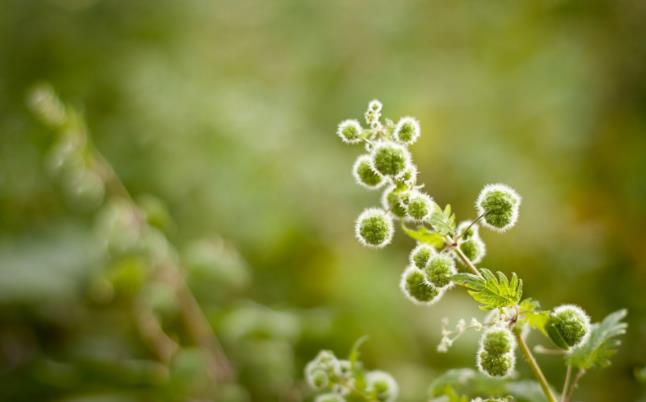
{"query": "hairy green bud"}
(497, 340)
(496, 353)
(408, 178)
(390, 159)
(350, 131)
(499, 204)
(321, 370)
(382, 386)
(392, 201)
(407, 130)
(365, 175)
(417, 289)
(470, 242)
(374, 228)
(495, 365)
(440, 269)
(420, 255)
(568, 326)
(420, 206)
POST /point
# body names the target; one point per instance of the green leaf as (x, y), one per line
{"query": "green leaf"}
(423, 235)
(355, 365)
(443, 221)
(491, 291)
(531, 315)
(601, 345)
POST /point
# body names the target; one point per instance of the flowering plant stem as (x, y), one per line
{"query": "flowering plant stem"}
(533, 364)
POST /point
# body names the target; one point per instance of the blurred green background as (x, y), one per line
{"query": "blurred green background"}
(226, 111)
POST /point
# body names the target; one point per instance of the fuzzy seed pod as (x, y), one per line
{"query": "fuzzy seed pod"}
(497, 340)
(382, 385)
(365, 175)
(496, 353)
(495, 365)
(499, 204)
(407, 130)
(408, 178)
(392, 201)
(470, 243)
(321, 370)
(420, 255)
(390, 159)
(420, 206)
(568, 326)
(375, 106)
(374, 228)
(417, 288)
(350, 131)
(440, 269)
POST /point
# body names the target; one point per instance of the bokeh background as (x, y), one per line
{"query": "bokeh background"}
(225, 113)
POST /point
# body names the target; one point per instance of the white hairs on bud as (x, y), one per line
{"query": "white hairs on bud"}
(350, 123)
(370, 212)
(407, 121)
(514, 211)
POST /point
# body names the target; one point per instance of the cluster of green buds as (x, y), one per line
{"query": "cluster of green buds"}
(387, 166)
(339, 380)
(443, 247)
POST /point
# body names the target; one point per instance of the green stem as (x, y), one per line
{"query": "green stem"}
(566, 384)
(464, 258)
(534, 366)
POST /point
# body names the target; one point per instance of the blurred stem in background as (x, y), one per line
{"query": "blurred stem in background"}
(68, 123)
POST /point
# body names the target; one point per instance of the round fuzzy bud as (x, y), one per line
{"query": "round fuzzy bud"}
(440, 269)
(497, 340)
(496, 365)
(318, 379)
(374, 228)
(350, 131)
(496, 353)
(330, 397)
(392, 201)
(568, 326)
(390, 159)
(408, 177)
(321, 370)
(474, 249)
(417, 288)
(420, 206)
(499, 204)
(375, 106)
(365, 174)
(420, 255)
(382, 385)
(407, 130)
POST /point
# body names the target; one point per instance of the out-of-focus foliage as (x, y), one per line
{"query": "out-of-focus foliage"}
(225, 112)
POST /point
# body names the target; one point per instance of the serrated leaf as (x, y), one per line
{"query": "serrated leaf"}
(491, 291)
(423, 235)
(443, 221)
(601, 345)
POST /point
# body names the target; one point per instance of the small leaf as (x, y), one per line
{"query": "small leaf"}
(355, 352)
(423, 235)
(601, 345)
(491, 291)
